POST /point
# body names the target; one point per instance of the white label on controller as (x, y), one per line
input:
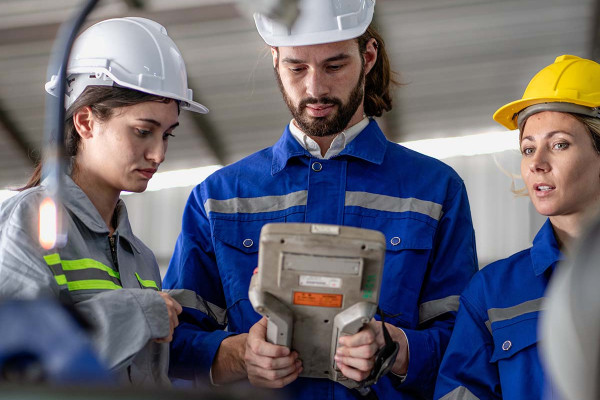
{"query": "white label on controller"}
(320, 281)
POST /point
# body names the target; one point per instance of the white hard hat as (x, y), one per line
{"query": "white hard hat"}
(320, 21)
(132, 52)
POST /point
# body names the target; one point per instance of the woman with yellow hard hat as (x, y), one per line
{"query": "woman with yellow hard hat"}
(493, 349)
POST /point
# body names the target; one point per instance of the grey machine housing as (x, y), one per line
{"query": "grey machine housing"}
(315, 283)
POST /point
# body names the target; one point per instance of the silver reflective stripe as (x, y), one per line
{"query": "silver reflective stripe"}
(393, 204)
(189, 299)
(434, 308)
(460, 393)
(501, 314)
(251, 205)
(488, 325)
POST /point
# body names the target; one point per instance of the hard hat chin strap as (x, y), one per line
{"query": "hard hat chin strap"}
(557, 106)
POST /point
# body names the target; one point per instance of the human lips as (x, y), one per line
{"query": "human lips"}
(543, 189)
(319, 110)
(147, 172)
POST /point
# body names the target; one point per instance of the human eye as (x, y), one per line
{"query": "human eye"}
(168, 135)
(334, 67)
(527, 151)
(560, 146)
(143, 132)
(296, 70)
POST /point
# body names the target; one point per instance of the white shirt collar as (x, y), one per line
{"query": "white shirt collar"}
(338, 144)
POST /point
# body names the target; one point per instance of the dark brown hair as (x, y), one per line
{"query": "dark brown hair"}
(103, 100)
(381, 79)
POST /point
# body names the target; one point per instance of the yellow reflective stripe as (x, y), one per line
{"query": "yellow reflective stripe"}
(52, 259)
(85, 263)
(61, 279)
(147, 282)
(92, 284)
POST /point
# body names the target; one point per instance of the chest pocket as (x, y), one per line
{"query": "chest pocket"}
(236, 249)
(409, 243)
(514, 337)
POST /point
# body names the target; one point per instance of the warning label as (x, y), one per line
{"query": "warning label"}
(318, 299)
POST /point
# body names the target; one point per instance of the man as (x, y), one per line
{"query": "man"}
(332, 165)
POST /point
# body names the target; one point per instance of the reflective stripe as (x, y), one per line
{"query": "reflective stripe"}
(393, 204)
(83, 274)
(501, 314)
(92, 284)
(146, 282)
(488, 325)
(189, 299)
(252, 205)
(434, 308)
(460, 393)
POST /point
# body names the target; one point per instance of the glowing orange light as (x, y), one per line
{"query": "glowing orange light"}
(48, 224)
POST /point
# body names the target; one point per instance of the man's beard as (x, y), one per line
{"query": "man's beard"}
(331, 124)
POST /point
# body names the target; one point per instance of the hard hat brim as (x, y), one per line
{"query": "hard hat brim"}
(507, 114)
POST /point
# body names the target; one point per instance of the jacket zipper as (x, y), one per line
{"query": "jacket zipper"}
(113, 251)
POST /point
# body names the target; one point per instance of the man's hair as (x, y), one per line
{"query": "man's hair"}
(380, 80)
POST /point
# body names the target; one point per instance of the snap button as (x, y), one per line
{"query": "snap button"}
(395, 241)
(247, 242)
(316, 166)
(506, 345)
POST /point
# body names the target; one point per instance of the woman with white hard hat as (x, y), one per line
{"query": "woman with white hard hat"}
(126, 82)
(493, 352)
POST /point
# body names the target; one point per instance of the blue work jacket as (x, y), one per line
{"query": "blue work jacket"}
(419, 203)
(493, 351)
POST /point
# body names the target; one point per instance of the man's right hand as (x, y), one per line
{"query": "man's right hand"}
(269, 365)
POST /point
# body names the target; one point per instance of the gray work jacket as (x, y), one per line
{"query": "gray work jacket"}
(115, 285)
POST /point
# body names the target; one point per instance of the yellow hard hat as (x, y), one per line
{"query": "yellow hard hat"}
(571, 84)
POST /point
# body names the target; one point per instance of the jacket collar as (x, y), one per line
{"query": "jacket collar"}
(545, 252)
(77, 202)
(369, 145)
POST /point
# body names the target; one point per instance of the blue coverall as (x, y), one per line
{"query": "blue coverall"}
(493, 351)
(419, 203)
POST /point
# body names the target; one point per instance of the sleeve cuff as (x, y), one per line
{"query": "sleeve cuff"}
(420, 355)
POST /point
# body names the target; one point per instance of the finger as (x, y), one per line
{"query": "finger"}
(365, 351)
(277, 383)
(361, 364)
(366, 336)
(265, 362)
(352, 373)
(273, 374)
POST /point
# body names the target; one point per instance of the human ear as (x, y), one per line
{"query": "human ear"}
(83, 119)
(275, 55)
(370, 55)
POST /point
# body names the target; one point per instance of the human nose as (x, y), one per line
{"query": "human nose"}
(539, 161)
(316, 85)
(157, 151)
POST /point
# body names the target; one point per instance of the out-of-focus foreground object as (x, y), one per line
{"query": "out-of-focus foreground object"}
(571, 325)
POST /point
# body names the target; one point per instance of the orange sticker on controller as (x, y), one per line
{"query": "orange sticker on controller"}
(318, 299)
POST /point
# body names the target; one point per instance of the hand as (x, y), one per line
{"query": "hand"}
(355, 355)
(269, 365)
(174, 309)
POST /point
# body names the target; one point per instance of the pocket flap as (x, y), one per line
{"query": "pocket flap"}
(514, 337)
(402, 233)
(242, 234)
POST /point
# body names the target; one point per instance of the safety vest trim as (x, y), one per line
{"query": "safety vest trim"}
(82, 274)
(253, 205)
(460, 393)
(434, 308)
(147, 283)
(501, 314)
(382, 202)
